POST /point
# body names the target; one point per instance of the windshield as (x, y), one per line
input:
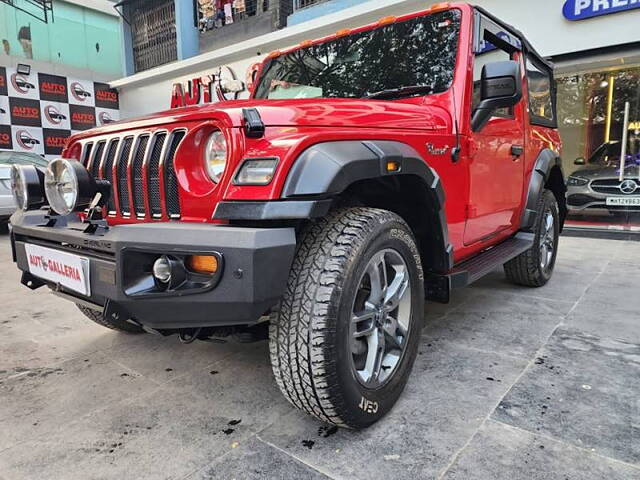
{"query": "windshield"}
(11, 158)
(420, 52)
(608, 154)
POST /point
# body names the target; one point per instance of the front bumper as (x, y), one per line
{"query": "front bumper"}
(256, 267)
(582, 199)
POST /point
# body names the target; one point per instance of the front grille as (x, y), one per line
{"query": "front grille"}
(141, 171)
(610, 185)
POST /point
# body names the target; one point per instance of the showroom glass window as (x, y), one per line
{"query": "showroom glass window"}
(416, 52)
(591, 107)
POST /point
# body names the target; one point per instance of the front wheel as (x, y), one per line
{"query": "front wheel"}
(345, 335)
(534, 267)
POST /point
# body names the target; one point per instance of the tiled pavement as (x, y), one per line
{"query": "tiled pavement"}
(510, 383)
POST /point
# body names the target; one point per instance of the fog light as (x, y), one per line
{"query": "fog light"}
(205, 264)
(162, 269)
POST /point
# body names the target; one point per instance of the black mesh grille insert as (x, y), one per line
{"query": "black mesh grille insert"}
(138, 181)
(87, 154)
(123, 185)
(107, 171)
(153, 175)
(170, 178)
(97, 158)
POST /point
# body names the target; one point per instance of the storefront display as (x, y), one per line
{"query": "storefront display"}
(603, 173)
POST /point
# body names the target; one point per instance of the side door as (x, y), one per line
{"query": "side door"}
(496, 164)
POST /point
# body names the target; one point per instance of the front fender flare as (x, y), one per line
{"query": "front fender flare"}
(325, 170)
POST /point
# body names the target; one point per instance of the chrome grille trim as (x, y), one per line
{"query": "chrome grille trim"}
(140, 187)
(155, 202)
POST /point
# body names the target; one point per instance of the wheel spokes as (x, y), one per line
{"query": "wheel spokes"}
(396, 291)
(377, 272)
(380, 318)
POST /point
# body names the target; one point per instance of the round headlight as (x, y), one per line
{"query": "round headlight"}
(69, 186)
(27, 186)
(215, 156)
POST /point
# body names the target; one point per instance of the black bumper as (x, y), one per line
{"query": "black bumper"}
(256, 266)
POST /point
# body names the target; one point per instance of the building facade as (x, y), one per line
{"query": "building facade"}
(594, 44)
(55, 65)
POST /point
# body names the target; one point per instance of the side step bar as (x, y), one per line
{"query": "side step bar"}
(438, 287)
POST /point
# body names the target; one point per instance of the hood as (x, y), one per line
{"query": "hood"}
(605, 172)
(326, 112)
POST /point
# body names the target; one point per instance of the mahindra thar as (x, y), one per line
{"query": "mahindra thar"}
(368, 171)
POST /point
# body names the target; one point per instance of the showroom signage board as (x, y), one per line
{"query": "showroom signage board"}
(575, 10)
(40, 111)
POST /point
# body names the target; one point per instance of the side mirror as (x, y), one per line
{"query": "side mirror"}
(580, 161)
(500, 87)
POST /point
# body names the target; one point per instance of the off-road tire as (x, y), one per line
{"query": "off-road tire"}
(120, 325)
(309, 330)
(526, 268)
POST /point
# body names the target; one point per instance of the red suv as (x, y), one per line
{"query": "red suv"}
(369, 170)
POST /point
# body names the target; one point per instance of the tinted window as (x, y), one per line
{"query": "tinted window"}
(416, 52)
(540, 94)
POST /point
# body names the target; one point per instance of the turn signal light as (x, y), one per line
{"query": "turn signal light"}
(393, 166)
(205, 264)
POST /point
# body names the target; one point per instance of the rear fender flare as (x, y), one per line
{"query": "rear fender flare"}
(540, 177)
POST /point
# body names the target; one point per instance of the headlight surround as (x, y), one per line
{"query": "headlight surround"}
(256, 171)
(69, 186)
(577, 181)
(216, 154)
(27, 186)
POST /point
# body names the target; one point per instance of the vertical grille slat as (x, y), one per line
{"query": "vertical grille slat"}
(140, 167)
(123, 184)
(153, 175)
(137, 178)
(97, 158)
(107, 171)
(170, 177)
(87, 154)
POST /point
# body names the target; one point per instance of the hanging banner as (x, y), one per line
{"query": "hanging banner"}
(575, 10)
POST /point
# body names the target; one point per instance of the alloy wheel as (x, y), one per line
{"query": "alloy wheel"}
(380, 318)
(547, 240)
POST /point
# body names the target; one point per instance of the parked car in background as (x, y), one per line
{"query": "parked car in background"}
(597, 186)
(7, 159)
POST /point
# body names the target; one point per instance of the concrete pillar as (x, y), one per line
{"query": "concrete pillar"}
(186, 30)
(126, 45)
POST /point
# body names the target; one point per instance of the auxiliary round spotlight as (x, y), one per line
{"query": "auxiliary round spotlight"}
(27, 186)
(162, 269)
(70, 187)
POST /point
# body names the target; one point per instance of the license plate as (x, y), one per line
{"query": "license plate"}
(70, 271)
(623, 201)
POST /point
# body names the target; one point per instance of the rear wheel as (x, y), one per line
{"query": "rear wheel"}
(534, 267)
(345, 336)
(113, 324)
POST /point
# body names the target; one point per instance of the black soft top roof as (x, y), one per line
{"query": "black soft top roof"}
(526, 46)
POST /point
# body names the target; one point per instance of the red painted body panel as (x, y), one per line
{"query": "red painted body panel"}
(485, 190)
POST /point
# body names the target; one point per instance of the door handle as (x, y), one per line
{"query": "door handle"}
(517, 150)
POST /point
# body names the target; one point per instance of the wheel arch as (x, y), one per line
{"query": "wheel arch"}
(355, 173)
(547, 174)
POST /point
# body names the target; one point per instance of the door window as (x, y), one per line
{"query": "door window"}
(540, 95)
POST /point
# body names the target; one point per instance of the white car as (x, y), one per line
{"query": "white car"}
(7, 159)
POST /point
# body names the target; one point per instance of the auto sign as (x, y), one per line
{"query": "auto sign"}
(575, 10)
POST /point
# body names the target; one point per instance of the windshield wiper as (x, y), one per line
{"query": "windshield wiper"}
(400, 92)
